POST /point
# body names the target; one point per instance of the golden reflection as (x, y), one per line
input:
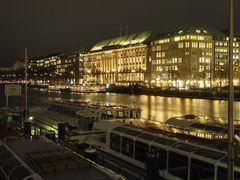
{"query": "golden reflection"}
(161, 108)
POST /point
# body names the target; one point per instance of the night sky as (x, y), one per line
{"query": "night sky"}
(50, 26)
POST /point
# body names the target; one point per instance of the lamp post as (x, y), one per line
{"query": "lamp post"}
(26, 79)
(231, 97)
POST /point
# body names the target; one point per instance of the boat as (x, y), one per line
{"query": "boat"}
(140, 150)
(145, 153)
(37, 158)
(201, 126)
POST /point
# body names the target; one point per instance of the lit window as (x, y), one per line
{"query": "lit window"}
(194, 45)
(158, 48)
(179, 60)
(183, 37)
(193, 37)
(177, 38)
(209, 45)
(158, 54)
(180, 45)
(201, 45)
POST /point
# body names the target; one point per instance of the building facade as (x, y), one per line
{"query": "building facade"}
(221, 52)
(183, 59)
(122, 61)
(69, 68)
(57, 69)
(42, 70)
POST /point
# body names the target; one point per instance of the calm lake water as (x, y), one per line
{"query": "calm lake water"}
(153, 107)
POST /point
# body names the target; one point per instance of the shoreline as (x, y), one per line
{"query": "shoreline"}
(194, 94)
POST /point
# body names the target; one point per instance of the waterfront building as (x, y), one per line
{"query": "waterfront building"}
(183, 59)
(69, 69)
(57, 69)
(221, 53)
(42, 70)
(123, 60)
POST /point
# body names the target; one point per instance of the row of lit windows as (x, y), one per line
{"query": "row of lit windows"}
(225, 50)
(221, 50)
(126, 77)
(40, 64)
(236, 44)
(191, 37)
(132, 60)
(204, 60)
(201, 45)
(163, 41)
(235, 56)
(188, 45)
(200, 68)
(180, 38)
(168, 61)
(167, 68)
(126, 53)
(160, 54)
(64, 65)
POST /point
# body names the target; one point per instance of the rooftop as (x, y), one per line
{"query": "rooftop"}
(217, 34)
(52, 161)
(212, 154)
(123, 41)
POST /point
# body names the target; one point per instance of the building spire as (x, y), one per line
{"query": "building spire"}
(120, 31)
(126, 28)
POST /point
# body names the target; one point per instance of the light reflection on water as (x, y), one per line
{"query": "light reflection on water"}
(160, 108)
(153, 107)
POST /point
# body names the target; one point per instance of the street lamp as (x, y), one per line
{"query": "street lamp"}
(231, 97)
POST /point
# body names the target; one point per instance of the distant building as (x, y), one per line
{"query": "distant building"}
(123, 60)
(42, 70)
(57, 69)
(69, 69)
(183, 59)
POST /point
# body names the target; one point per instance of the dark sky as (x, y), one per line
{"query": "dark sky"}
(49, 26)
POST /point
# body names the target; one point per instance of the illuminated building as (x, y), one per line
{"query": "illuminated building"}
(187, 58)
(57, 69)
(122, 60)
(69, 69)
(183, 59)
(221, 49)
(42, 70)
